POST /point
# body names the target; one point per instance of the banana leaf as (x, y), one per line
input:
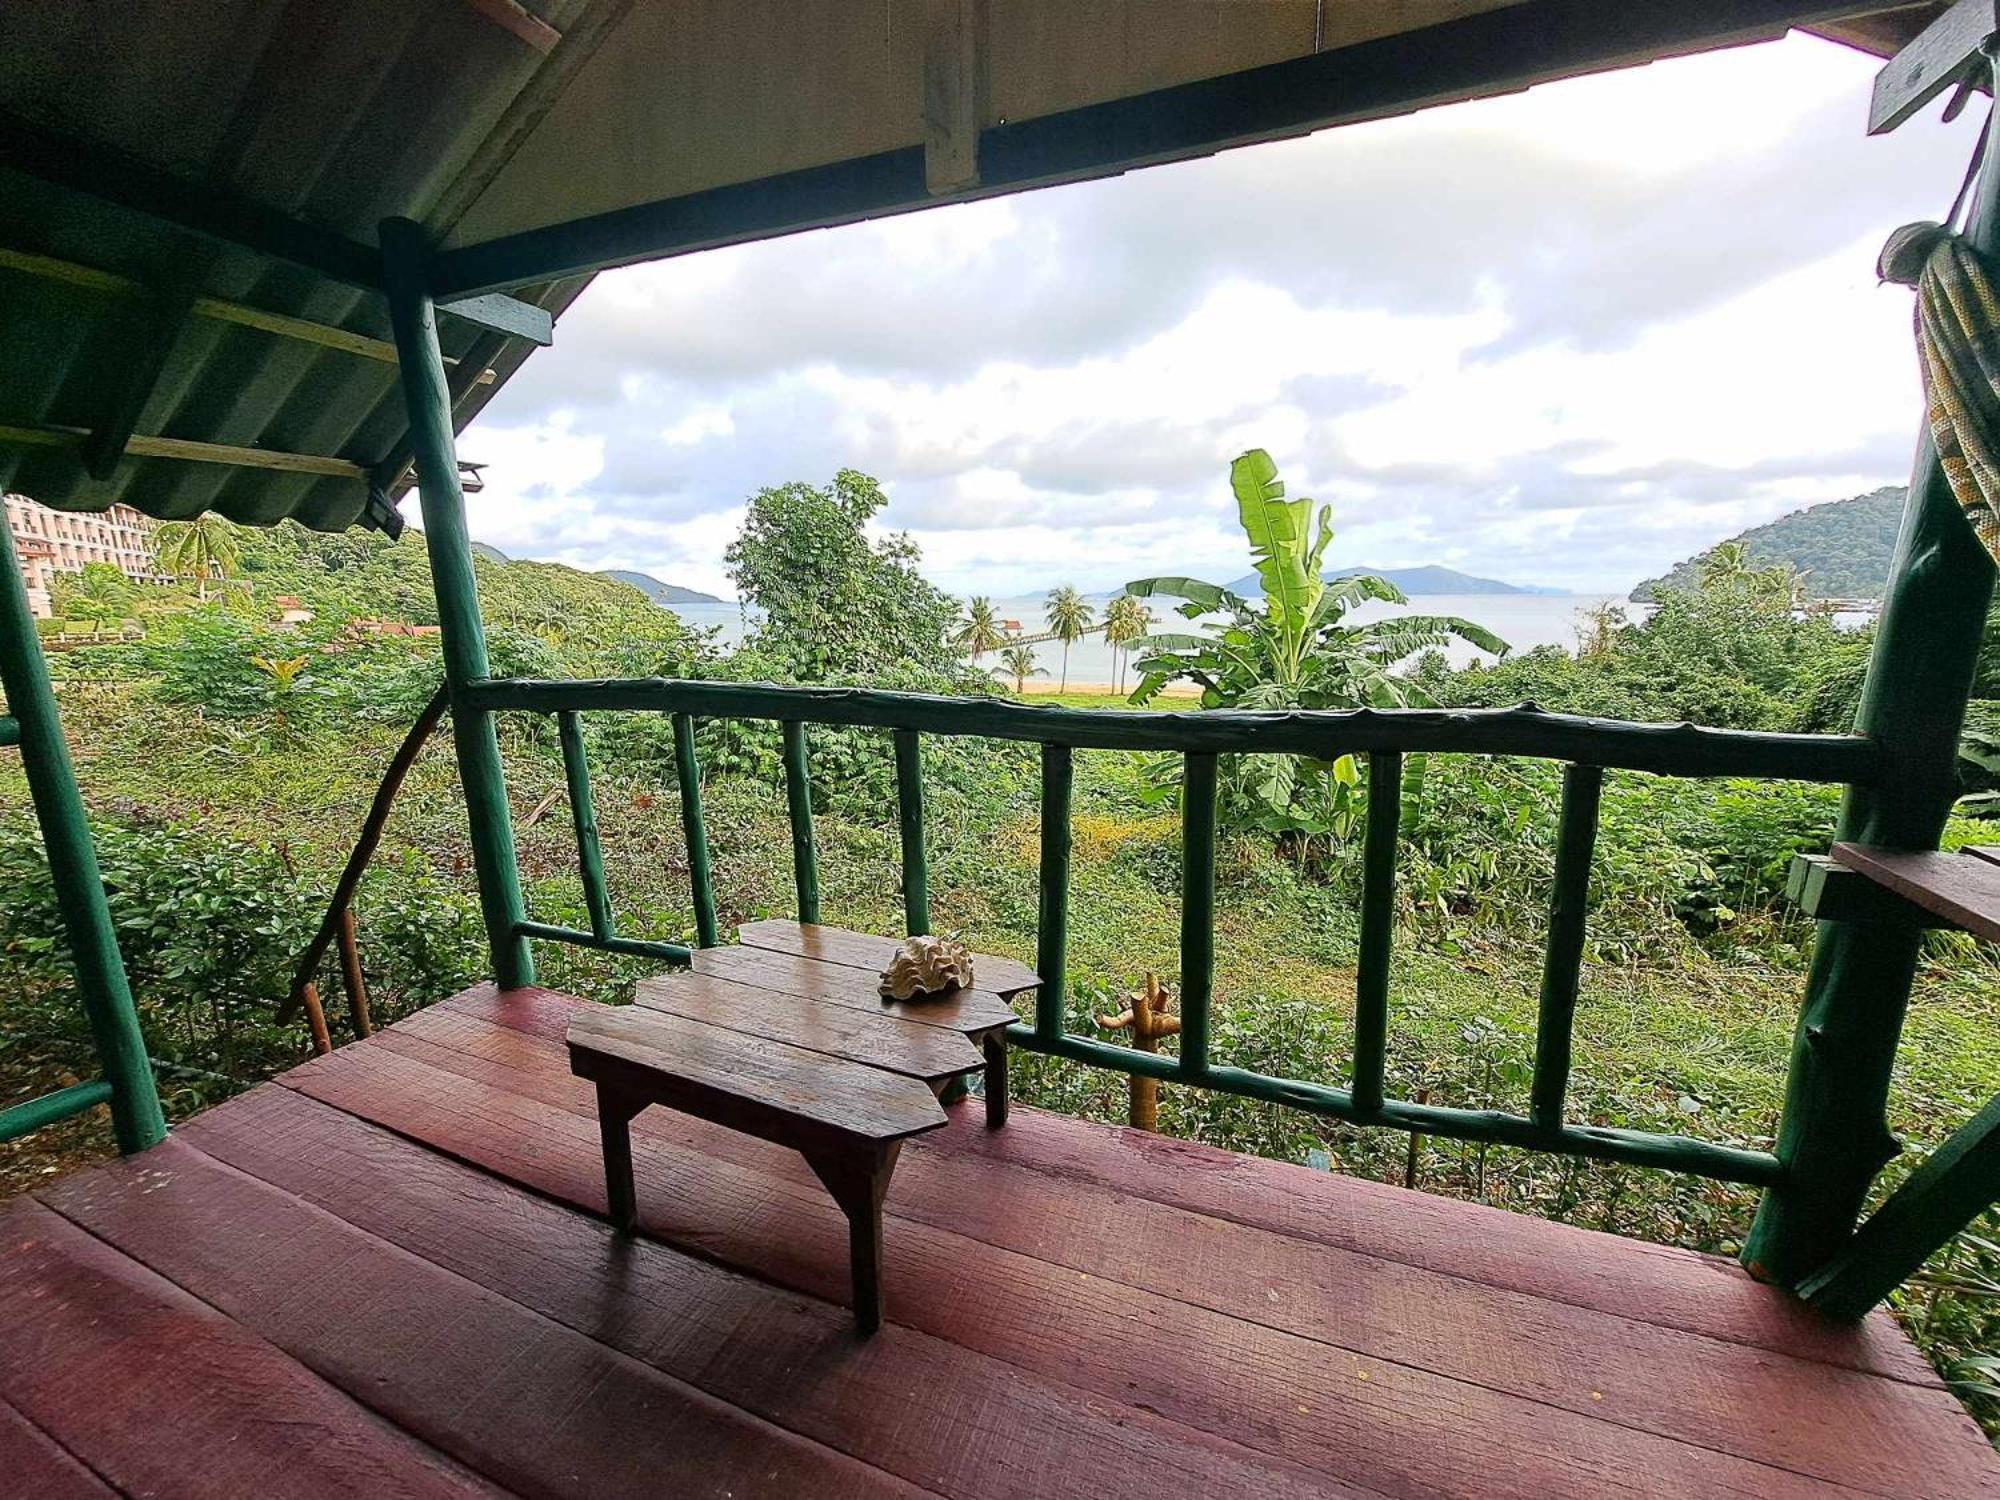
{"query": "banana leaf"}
(1287, 558)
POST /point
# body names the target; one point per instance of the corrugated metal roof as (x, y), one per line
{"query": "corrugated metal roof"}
(459, 113)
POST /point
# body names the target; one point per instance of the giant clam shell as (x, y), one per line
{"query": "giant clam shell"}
(926, 966)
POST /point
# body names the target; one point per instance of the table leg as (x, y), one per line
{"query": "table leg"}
(614, 1124)
(858, 1178)
(995, 1045)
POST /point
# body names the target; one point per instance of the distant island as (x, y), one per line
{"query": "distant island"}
(1428, 579)
(660, 593)
(1842, 547)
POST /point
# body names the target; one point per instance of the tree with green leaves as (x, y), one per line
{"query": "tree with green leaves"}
(204, 548)
(1018, 662)
(98, 593)
(1126, 620)
(1070, 617)
(980, 631)
(1292, 649)
(836, 603)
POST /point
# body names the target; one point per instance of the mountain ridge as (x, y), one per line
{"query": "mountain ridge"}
(1842, 547)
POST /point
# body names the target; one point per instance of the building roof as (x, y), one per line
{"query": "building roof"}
(189, 286)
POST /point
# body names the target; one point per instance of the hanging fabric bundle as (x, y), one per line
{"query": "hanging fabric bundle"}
(1958, 344)
(1958, 347)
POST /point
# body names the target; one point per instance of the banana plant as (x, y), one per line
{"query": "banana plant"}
(1290, 649)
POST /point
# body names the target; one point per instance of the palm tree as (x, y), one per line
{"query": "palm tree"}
(1069, 618)
(1125, 620)
(200, 549)
(980, 631)
(1018, 662)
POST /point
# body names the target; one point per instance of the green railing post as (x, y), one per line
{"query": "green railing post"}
(100, 971)
(434, 446)
(1197, 908)
(1834, 1135)
(1378, 925)
(700, 881)
(583, 815)
(910, 819)
(1052, 921)
(1562, 961)
(799, 803)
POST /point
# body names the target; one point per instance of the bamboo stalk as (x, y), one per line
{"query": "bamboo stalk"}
(583, 817)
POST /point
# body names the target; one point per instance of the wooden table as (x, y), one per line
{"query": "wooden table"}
(787, 1038)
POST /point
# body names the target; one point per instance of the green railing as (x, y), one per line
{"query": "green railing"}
(1589, 746)
(32, 727)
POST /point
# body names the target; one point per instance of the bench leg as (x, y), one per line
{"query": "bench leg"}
(995, 1044)
(614, 1124)
(859, 1180)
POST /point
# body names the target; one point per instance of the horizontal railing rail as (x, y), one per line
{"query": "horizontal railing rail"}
(1587, 746)
(1667, 749)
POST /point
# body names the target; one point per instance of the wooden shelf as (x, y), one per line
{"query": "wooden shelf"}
(1963, 888)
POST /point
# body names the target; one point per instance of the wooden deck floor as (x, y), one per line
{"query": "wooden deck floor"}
(382, 1276)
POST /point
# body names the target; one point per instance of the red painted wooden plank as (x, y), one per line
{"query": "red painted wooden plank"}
(1006, 977)
(1963, 889)
(695, 1057)
(1658, 1283)
(1660, 1380)
(35, 1464)
(532, 1404)
(166, 1397)
(1559, 1262)
(955, 1421)
(931, 1053)
(968, 1011)
(1373, 1422)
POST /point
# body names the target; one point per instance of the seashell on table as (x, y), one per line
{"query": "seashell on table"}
(927, 966)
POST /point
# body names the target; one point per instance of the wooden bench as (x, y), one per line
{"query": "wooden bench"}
(794, 1045)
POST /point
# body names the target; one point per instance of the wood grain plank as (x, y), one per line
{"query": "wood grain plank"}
(1964, 890)
(1560, 1262)
(1380, 1424)
(693, 1062)
(534, 1405)
(163, 1396)
(1005, 977)
(953, 1420)
(971, 1012)
(35, 1464)
(888, 1042)
(1607, 1367)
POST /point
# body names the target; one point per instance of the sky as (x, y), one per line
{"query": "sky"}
(1563, 338)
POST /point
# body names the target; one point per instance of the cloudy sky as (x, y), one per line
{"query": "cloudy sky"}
(1563, 338)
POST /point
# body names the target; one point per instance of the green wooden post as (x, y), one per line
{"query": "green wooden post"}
(583, 814)
(1562, 961)
(910, 817)
(692, 824)
(136, 1119)
(1834, 1135)
(1378, 924)
(799, 802)
(1197, 908)
(428, 401)
(1052, 921)
(1954, 1186)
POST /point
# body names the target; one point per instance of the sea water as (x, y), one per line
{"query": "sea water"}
(1523, 621)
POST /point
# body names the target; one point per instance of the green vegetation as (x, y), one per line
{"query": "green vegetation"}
(227, 762)
(1841, 550)
(1289, 650)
